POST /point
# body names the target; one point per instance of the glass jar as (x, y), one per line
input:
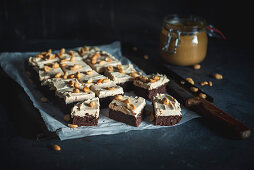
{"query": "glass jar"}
(183, 40)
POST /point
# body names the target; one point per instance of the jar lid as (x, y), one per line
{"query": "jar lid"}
(184, 24)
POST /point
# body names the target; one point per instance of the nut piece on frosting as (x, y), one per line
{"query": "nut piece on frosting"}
(92, 104)
(119, 97)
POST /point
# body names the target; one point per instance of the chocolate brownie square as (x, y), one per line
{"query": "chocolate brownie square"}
(86, 113)
(150, 85)
(127, 109)
(122, 75)
(167, 110)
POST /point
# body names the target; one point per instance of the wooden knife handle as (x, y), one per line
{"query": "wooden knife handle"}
(210, 111)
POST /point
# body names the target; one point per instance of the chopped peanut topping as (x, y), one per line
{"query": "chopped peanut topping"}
(55, 65)
(65, 75)
(204, 83)
(121, 70)
(99, 81)
(86, 89)
(58, 75)
(76, 67)
(106, 80)
(75, 90)
(56, 147)
(76, 85)
(132, 106)
(78, 75)
(119, 97)
(134, 74)
(71, 76)
(62, 51)
(190, 80)
(202, 95)
(127, 101)
(218, 76)
(89, 72)
(72, 59)
(82, 51)
(71, 83)
(108, 59)
(93, 61)
(46, 69)
(110, 68)
(210, 83)
(71, 53)
(111, 88)
(92, 104)
(156, 78)
(152, 80)
(165, 101)
(194, 89)
(72, 126)
(119, 66)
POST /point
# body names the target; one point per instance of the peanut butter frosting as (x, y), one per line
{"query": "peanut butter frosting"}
(128, 105)
(101, 61)
(151, 81)
(120, 74)
(72, 91)
(83, 108)
(107, 89)
(169, 108)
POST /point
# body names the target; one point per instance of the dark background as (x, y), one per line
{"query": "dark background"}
(110, 20)
(36, 25)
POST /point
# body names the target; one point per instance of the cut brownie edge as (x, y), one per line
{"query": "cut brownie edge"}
(148, 94)
(167, 120)
(127, 86)
(85, 121)
(127, 119)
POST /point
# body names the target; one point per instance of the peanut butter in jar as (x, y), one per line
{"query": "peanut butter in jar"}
(183, 40)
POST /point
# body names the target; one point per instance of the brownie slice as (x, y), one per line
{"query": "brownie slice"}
(122, 75)
(167, 110)
(100, 60)
(150, 85)
(127, 109)
(106, 89)
(86, 113)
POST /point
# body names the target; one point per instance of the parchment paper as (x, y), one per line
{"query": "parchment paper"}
(13, 65)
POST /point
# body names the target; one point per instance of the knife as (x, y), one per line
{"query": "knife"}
(208, 111)
(204, 107)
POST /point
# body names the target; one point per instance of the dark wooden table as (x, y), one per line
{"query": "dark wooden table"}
(193, 145)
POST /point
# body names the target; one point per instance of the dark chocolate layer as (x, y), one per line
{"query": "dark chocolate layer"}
(85, 121)
(167, 120)
(128, 119)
